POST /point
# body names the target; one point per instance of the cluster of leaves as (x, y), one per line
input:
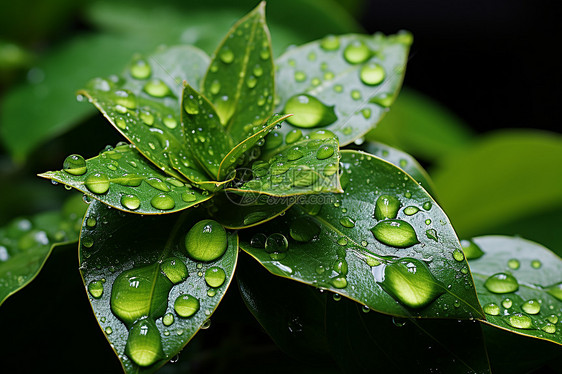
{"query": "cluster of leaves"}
(207, 151)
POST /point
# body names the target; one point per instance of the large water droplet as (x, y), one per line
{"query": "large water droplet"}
(144, 344)
(276, 243)
(126, 99)
(356, 52)
(411, 282)
(75, 165)
(140, 69)
(501, 283)
(458, 255)
(471, 250)
(372, 74)
(158, 184)
(395, 233)
(386, 207)
(330, 43)
(339, 282)
(157, 88)
(186, 305)
(130, 202)
(98, 183)
(549, 328)
(206, 240)
(174, 269)
(163, 201)
(324, 152)
(507, 303)
(492, 309)
(309, 112)
(95, 288)
(520, 321)
(304, 229)
(532, 306)
(215, 276)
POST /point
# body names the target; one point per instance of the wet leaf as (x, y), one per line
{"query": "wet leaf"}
(342, 83)
(384, 242)
(240, 78)
(519, 285)
(149, 296)
(122, 178)
(26, 243)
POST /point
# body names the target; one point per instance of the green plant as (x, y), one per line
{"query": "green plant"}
(207, 152)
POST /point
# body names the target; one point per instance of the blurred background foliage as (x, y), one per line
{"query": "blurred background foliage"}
(479, 109)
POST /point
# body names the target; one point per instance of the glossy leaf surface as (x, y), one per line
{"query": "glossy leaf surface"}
(122, 178)
(405, 262)
(534, 307)
(26, 243)
(135, 269)
(344, 84)
(240, 78)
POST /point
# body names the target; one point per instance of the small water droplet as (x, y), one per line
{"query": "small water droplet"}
(330, 43)
(427, 205)
(157, 88)
(75, 165)
(501, 283)
(252, 81)
(386, 207)
(190, 104)
(356, 94)
(163, 201)
(215, 276)
(168, 319)
(339, 282)
(513, 263)
(108, 330)
(356, 52)
(226, 55)
(553, 318)
(507, 303)
(170, 122)
(536, 264)
(188, 196)
(95, 288)
(309, 112)
(140, 69)
(458, 255)
(206, 240)
(130, 202)
(276, 243)
(300, 76)
(186, 305)
(471, 250)
(532, 306)
(294, 154)
(174, 269)
(432, 234)
(396, 233)
(372, 74)
(492, 309)
(411, 210)
(549, 328)
(97, 183)
(324, 152)
(91, 222)
(347, 222)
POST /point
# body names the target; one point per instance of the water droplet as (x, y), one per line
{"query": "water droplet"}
(293, 136)
(555, 290)
(98, 183)
(304, 229)
(186, 305)
(347, 222)
(309, 112)
(384, 100)
(146, 117)
(507, 303)
(366, 113)
(324, 152)
(501, 283)
(140, 69)
(395, 233)
(264, 54)
(91, 222)
(75, 165)
(258, 70)
(126, 99)
(330, 43)
(276, 243)
(170, 122)
(431, 234)
(95, 288)
(553, 318)
(258, 240)
(427, 205)
(536, 264)
(458, 255)
(226, 55)
(339, 282)
(492, 309)
(300, 76)
(215, 276)
(338, 88)
(157, 88)
(386, 207)
(356, 52)
(520, 321)
(372, 74)
(549, 328)
(86, 241)
(513, 263)
(163, 201)
(294, 154)
(273, 140)
(108, 330)
(252, 81)
(471, 250)
(206, 240)
(336, 297)
(144, 344)
(174, 269)
(188, 196)
(168, 319)
(356, 94)
(411, 210)
(130, 202)
(532, 306)
(342, 241)
(330, 169)
(190, 104)
(411, 282)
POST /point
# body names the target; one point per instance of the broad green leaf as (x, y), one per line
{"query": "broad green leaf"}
(401, 159)
(149, 296)
(238, 211)
(205, 136)
(240, 78)
(506, 176)
(122, 178)
(309, 166)
(342, 83)
(144, 107)
(26, 243)
(246, 147)
(364, 341)
(519, 284)
(422, 126)
(292, 314)
(384, 243)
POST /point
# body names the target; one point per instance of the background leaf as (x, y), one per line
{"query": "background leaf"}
(342, 83)
(534, 308)
(26, 243)
(122, 178)
(328, 243)
(106, 253)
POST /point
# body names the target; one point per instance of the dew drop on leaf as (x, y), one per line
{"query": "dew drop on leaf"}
(95, 288)
(174, 269)
(186, 305)
(324, 152)
(309, 112)
(501, 283)
(304, 229)
(144, 344)
(206, 240)
(215, 276)
(471, 250)
(372, 74)
(556, 291)
(75, 165)
(97, 183)
(130, 201)
(276, 243)
(386, 207)
(140, 69)
(356, 52)
(330, 43)
(157, 88)
(532, 306)
(492, 309)
(513, 264)
(519, 321)
(163, 201)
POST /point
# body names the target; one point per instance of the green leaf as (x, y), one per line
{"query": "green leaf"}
(519, 284)
(240, 78)
(422, 126)
(362, 341)
(138, 277)
(144, 107)
(122, 178)
(342, 83)
(308, 166)
(26, 243)
(406, 262)
(401, 159)
(494, 191)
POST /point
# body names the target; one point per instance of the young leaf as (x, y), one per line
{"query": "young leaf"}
(144, 107)
(148, 293)
(383, 242)
(341, 83)
(308, 166)
(240, 79)
(26, 243)
(122, 178)
(519, 284)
